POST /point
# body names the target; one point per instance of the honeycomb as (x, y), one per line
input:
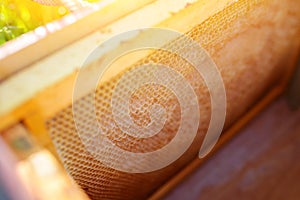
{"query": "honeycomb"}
(246, 40)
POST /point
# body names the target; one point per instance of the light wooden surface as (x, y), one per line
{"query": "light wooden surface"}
(39, 84)
(262, 162)
(19, 56)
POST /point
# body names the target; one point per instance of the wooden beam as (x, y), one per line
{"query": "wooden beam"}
(22, 56)
(51, 79)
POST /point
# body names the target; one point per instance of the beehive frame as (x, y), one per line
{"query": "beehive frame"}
(38, 109)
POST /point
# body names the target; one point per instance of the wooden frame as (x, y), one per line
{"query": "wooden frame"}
(37, 99)
(21, 58)
(38, 106)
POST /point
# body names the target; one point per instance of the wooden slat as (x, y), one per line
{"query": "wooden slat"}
(66, 35)
(37, 98)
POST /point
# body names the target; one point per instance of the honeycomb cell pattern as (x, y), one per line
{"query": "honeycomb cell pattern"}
(246, 78)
